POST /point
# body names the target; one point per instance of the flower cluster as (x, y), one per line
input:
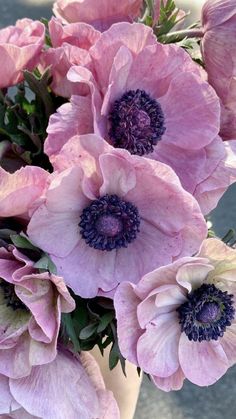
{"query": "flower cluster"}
(115, 142)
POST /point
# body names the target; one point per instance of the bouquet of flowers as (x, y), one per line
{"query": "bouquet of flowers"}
(117, 139)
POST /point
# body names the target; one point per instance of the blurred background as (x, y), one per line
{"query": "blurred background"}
(192, 402)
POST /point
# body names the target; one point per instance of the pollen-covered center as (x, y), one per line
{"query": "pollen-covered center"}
(136, 122)
(207, 313)
(10, 296)
(109, 223)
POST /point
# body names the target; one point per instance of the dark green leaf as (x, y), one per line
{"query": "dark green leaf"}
(69, 327)
(88, 331)
(113, 356)
(104, 321)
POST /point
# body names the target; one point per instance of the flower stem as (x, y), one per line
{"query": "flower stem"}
(185, 33)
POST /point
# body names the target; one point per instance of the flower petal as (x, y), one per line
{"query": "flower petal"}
(157, 348)
(203, 363)
(128, 328)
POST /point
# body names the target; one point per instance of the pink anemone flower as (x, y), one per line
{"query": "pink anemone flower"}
(70, 46)
(108, 216)
(20, 49)
(179, 321)
(31, 304)
(219, 53)
(69, 387)
(99, 13)
(152, 100)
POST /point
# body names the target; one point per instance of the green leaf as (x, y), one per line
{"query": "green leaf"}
(88, 331)
(104, 321)
(113, 356)
(46, 264)
(70, 330)
(22, 242)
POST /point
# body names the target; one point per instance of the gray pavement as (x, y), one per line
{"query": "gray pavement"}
(192, 402)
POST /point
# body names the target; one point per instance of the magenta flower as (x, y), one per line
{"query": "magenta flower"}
(179, 320)
(119, 216)
(70, 46)
(219, 52)
(99, 13)
(20, 48)
(68, 387)
(20, 190)
(30, 311)
(151, 100)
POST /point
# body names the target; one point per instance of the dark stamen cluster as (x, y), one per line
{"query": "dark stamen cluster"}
(109, 223)
(136, 122)
(10, 296)
(207, 313)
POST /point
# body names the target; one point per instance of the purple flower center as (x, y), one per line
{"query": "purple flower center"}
(109, 226)
(109, 223)
(10, 296)
(136, 122)
(207, 313)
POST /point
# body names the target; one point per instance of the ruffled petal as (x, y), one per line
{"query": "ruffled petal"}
(128, 328)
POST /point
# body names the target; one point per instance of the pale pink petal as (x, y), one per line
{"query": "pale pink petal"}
(228, 343)
(142, 256)
(79, 397)
(46, 230)
(60, 216)
(20, 48)
(60, 60)
(107, 404)
(70, 119)
(19, 190)
(8, 265)
(82, 76)
(162, 300)
(164, 275)
(170, 58)
(100, 13)
(173, 382)
(128, 329)
(118, 174)
(210, 190)
(7, 402)
(78, 34)
(14, 362)
(198, 103)
(157, 348)
(86, 269)
(193, 275)
(135, 37)
(215, 250)
(203, 363)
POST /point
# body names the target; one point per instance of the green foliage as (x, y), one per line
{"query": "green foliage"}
(24, 118)
(93, 323)
(45, 264)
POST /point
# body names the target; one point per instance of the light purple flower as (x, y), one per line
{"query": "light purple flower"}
(119, 216)
(179, 321)
(31, 304)
(20, 49)
(152, 100)
(219, 53)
